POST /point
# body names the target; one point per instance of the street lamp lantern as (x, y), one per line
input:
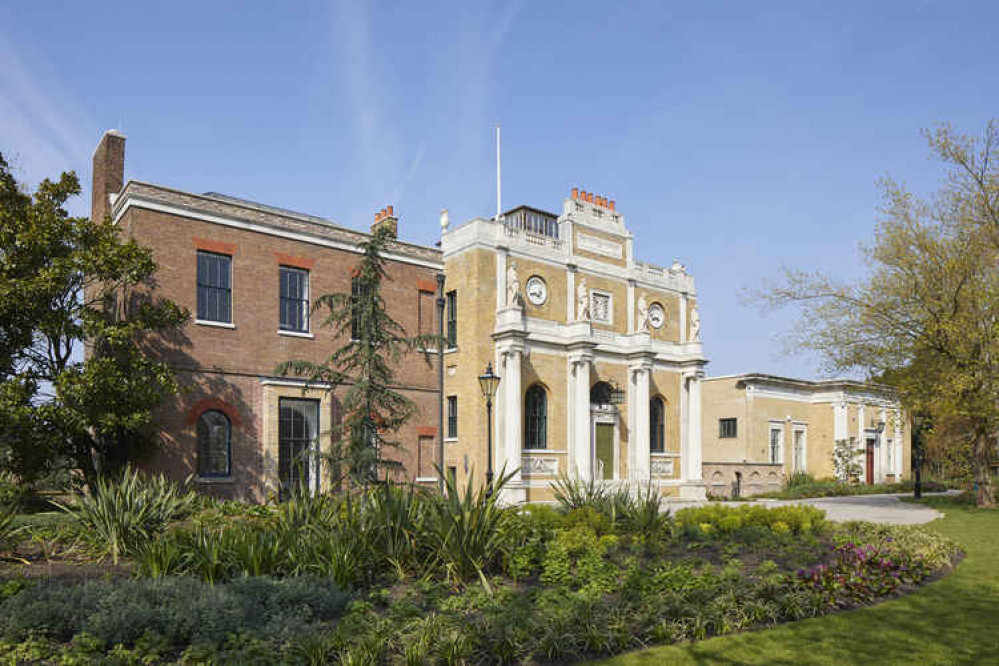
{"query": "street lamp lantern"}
(488, 382)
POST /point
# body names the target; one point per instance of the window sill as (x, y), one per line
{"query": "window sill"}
(450, 439)
(426, 479)
(216, 324)
(537, 451)
(664, 454)
(296, 334)
(450, 350)
(214, 479)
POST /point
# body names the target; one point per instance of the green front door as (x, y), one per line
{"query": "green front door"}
(604, 451)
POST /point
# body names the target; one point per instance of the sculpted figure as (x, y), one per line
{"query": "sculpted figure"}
(643, 314)
(582, 302)
(695, 324)
(512, 286)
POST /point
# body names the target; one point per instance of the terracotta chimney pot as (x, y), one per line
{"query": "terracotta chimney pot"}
(575, 192)
(390, 211)
(611, 204)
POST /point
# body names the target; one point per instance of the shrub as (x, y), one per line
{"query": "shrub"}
(908, 541)
(8, 512)
(572, 493)
(469, 530)
(121, 515)
(722, 520)
(181, 610)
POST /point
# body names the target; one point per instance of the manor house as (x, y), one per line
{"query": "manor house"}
(598, 355)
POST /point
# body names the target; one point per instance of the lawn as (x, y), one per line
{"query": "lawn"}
(952, 621)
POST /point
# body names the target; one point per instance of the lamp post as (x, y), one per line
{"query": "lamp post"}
(440, 382)
(488, 383)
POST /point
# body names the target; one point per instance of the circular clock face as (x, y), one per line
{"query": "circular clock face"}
(537, 290)
(657, 316)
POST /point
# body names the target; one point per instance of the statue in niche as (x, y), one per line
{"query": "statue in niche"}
(512, 286)
(695, 324)
(582, 301)
(643, 314)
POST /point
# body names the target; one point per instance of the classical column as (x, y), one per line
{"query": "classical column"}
(692, 459)
(899, 443)
(883, 446)
(640, 468)
(861, 443)
(580, 455)
(513, 429)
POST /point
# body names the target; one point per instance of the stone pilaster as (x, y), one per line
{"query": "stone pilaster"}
(580, 453)
(639, 465)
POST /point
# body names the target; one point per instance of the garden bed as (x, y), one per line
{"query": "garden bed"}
(396, 575)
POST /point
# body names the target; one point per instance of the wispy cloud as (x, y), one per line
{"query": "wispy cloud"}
(402, 128)
(41, 132)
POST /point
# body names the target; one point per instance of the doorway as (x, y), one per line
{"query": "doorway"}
(298, 445)
(869, 458)
(603, 451)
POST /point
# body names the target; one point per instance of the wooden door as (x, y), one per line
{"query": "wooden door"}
(870, 461)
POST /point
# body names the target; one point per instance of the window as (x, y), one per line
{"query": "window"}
(214, 287)
(426, 457)
(728, 428)
(298, 444)
(452, 416)
(426, 313)
(452, 319)
(800, 461)
(536, 418)
(294, 299)
(602, 393)
(657, 425)
(214, 445)
(776, 444)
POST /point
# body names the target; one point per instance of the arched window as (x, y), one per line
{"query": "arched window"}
(602, 393)
(657, 425)
(214, 444)
(536, 418)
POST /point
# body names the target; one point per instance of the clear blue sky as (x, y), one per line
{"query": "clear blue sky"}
(736, 137)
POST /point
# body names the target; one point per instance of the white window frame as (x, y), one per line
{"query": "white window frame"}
(307, 333)
(803, 429)
(775, 427)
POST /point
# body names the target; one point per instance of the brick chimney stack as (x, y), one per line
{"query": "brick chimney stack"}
(108, 173)
(386, 218)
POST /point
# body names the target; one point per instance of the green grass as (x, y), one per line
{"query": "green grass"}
(952, 621)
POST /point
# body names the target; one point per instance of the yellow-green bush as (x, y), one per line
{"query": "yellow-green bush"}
(721, 520)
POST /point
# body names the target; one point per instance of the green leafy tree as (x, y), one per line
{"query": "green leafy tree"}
(67, 283)
(370, 410)
(926, 315)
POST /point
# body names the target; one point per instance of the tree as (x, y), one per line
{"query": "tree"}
(371, 410)
(65, 283)
(926, 315)
(846, 459)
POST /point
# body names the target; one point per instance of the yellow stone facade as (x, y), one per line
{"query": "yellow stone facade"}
(559, 302)
(783, 426)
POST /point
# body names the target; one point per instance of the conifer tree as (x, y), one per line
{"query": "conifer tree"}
(371, 411)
